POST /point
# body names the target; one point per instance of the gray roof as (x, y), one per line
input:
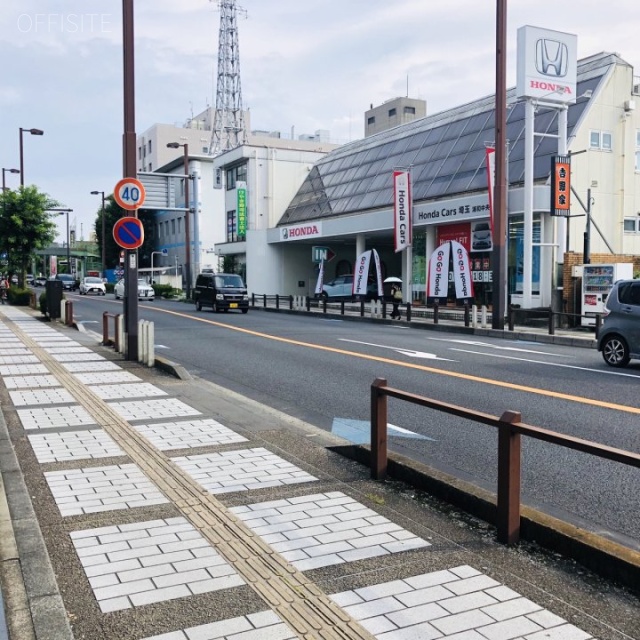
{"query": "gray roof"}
(446, 153)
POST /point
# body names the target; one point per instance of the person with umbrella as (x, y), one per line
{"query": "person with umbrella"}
(396, 296)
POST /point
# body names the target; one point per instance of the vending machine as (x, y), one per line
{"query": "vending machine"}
(597, 280)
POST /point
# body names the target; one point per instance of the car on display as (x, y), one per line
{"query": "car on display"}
(91, 284)
(481, 237)
(145, 290)
(341, 287)
(68, 281)
(619, 335)
(221, 292)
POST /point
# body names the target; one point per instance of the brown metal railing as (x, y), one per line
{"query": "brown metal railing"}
(510, 429)
(106, 340)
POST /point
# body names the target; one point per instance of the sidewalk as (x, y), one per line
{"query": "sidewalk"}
(142, 506)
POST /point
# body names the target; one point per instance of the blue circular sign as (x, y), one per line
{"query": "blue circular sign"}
(128, 232)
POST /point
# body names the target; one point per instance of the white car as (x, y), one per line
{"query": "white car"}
(91, 284)
(145, 290)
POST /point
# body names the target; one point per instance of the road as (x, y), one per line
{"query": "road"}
(320, 370)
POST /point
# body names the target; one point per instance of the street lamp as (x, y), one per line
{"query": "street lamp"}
(61, 212)
(4, 187)
(104, 237)
(33, 132)
(187, 206)
(160, 253)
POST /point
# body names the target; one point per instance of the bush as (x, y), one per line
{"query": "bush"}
(19, 297)
(163, 290)
(42, 301)
(109, 286)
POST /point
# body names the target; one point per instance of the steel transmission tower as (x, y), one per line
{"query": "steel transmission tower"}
(228, 122)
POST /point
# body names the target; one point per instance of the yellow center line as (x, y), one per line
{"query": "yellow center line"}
(418, 367)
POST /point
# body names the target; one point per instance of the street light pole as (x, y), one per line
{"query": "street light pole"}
(33, 132)
(187, 205)
(104, 237)
(4, 186)
(61, 212)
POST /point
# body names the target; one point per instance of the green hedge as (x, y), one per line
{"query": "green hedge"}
(19, 297)
(164, 290)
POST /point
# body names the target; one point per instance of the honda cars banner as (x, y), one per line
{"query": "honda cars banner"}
(361, 275)
(491, 179)
(449, 254)
(438, 279)
(461, 272)
(402, 210)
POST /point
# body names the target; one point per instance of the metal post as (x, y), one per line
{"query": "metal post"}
(586, 258)
(129, 171)
(466, 314)
(508, 513)
(552, 323)
(21, 160)
(500, 189)
(104, 239)
(187, 221)
(436, 307)
(378, 430)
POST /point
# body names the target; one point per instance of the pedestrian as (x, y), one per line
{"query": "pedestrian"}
(396, 299)
(4, 287)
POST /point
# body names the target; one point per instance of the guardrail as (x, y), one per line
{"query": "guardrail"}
(510, 429)
(117, 323)
(470, 315)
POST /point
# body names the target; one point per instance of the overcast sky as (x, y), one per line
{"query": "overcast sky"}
(306, 64)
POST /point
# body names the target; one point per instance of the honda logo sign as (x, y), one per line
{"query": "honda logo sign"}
(547, 65)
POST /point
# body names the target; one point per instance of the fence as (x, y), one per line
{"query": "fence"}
(510, 429)
(469, 315)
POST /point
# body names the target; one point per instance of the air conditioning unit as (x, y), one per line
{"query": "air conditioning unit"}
(629, 105)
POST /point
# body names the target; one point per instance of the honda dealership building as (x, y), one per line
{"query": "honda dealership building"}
(345, 202)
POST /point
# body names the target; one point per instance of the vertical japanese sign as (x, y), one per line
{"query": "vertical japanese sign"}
(560, 186)
(53, 265)
(402, 210)
(438, 278)
(491, 179)
(241, 191)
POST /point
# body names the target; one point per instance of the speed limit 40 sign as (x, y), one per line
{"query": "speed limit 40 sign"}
(129, 193)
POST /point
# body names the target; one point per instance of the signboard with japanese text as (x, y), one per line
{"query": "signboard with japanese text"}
(402, 210)
(560, 186)
(241, 209)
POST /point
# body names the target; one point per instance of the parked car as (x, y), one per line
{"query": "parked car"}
(29, 279)
(619, 335)
(40, 281)
(145, 290)
(481, 237)
(91, 284)
(221, 292)
(341, 287)
(68, 281)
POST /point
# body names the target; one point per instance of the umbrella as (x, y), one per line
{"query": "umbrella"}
(392, 279)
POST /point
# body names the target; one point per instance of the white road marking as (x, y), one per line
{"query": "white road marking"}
(550, 364)
(475, 343)
(407, 352)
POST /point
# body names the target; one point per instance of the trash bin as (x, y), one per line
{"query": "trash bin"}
(54, 298)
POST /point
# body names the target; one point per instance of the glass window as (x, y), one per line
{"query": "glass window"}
(637, 160)
(173, 227)
(371, 120)
(410, 110)
(231, 225)
(149, 146)
(606, 141)
(630, 225)
(638, 138)
(594, 139)
(392, 112)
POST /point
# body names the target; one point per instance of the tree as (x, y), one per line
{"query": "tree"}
(112, 213)
(25, 226)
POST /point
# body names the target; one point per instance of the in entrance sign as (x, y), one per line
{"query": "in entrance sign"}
(318, 254)
(128, 232)
(129, 193)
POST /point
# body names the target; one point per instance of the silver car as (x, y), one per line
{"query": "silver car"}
(619, 335)
(145, 290)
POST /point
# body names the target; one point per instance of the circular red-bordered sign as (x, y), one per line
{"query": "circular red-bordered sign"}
(129, 193)
(128, 232)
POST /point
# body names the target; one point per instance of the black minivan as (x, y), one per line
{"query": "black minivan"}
(221, 292)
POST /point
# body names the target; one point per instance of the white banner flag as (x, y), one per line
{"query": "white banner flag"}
(320, 282)
(376, 259)
(361, 273)
(461, 272)
(438, 280)
(402, 210)
(491, 179)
